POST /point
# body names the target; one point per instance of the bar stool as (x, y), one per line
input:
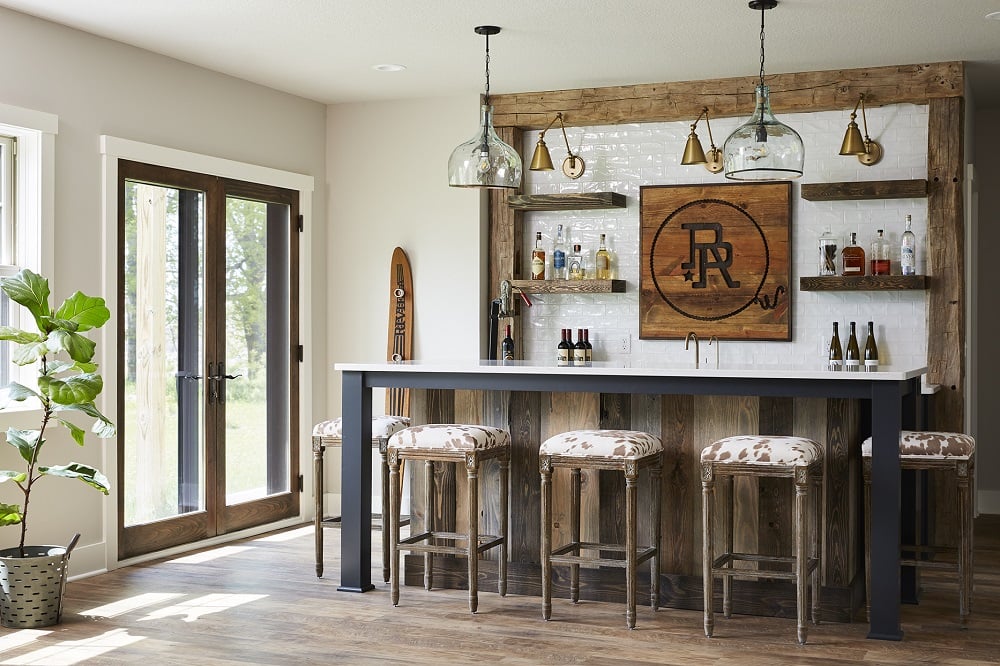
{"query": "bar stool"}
(331, 433)
(933, 451)
(759, 456)
(470, 445)
(627, 451)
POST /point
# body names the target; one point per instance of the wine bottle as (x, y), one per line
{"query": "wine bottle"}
(507, 346)
(590, 347)
(908, 251)
(852, 359)
(538, 259)
(603, 261)
(579, 350)
(836, 356)
(871, 350)
(562, 349)
(559, 255)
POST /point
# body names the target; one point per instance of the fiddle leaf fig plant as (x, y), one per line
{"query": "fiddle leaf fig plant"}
(67, 380)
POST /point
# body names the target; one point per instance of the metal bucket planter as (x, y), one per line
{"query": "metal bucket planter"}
(33, 585)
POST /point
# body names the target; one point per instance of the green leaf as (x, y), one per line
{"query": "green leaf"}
(10, 514)
(17, 335)
(103, 427)
(55, 366)
(89, 475)
(86, 312)
(81, 388)
(24, 441)
(29, 352)
(79, 348)
(10, 475)
(16, 392)
(62, 324)
(77, 432)
(86, 367)
(30, 290)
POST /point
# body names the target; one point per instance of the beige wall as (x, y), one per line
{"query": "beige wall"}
(97, 87)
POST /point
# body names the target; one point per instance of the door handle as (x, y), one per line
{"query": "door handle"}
(217, 390)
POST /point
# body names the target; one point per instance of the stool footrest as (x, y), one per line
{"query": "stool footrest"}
(720, 567)
(411, 544)
(559, 555)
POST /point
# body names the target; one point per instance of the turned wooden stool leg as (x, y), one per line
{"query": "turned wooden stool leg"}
(801, 537)
(631, 517)
(965, 504)
(708, 546)
(729, 518)
(546, 491)
(655, 477)
(472, 467)
(317, 446)
(394, 502)
(385, 507)
(574, 531)
(817, 500)
(866, 465)
(428, 521)
(504, 523)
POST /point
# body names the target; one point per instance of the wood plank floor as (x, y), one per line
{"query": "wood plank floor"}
(259, 602)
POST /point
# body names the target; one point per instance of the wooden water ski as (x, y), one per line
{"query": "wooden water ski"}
(400, 342)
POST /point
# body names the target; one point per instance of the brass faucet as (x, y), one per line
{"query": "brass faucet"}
(716, 341)
(686, 341)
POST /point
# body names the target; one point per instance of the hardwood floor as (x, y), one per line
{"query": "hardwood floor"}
(258, 602)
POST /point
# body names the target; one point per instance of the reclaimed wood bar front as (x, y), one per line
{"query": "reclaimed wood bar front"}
(688, 410)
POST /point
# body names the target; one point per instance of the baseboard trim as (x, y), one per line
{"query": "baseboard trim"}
(988, 501)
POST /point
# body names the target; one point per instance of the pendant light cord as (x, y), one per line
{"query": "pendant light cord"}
(760, 134)
(761, 51)
(488, 67)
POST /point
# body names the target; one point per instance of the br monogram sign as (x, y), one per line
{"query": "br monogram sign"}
(715, 260)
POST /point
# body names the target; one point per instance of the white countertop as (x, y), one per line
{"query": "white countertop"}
(886, 373)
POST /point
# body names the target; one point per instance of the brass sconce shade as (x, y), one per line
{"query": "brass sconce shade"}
(573, 166)
(869, 152)
(695, 154)
(763, 148)
(485, 160)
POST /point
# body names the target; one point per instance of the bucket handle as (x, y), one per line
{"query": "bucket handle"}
(72, 545)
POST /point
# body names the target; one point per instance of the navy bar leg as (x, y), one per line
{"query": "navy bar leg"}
(887, 417)
(356, 486)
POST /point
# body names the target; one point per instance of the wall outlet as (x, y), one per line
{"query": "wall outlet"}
(625, 345)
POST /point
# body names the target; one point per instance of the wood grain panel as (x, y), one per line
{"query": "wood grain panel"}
(616, 414)
(790, 93)
(681, 522)
(505, 228)
(869, 189)
(525, 417)
(433, 406)
(842, 467)
(647, 416)
(776, 495)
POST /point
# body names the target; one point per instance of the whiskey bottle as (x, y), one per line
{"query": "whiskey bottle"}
(871, 350)
(852, 359)
(562, 349)
(908, 251)
(836, 355)
(590, 347)
(575, 264)
(880, 255)
(559, 255)
(827, 253)
(854, 257)
(538, 259)
(579, 350)
(603, 262)
(507, 346)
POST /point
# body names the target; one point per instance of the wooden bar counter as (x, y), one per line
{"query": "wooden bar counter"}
(688, 409)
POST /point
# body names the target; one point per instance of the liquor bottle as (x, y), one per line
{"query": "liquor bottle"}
(836, 355)
(507, 346)
(854, 257)
(575, 264)
(827, 253)
(559, 255)
(562, 349)
(880, 255)
(871, 350)
(538, 259)
(579, 350)
(852, 359)
(603, 262)
(590, 347)
(908, 251)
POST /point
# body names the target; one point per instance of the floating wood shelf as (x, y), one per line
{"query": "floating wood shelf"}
(569, 286)
(862, 283)
(869, 189)
(566, 201)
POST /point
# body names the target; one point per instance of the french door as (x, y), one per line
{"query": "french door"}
(207, 384)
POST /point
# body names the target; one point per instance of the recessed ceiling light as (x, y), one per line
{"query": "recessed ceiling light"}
(994, 16)
(388, 68)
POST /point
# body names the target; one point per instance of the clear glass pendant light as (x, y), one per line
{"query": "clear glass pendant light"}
(485, 160)
(763, 148)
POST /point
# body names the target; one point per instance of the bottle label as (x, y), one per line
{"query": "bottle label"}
(558, 260)
(836, 364)
(871, 364)
(579, 357)
(852, 365)
(563, 357)
(537, 268)
(589, 357)
(852, 270)
(907, 261)
(575, 270)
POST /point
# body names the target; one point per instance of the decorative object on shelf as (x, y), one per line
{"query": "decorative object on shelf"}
(573, 166)
(869, 152)
(485, 160)
(708, 256)
(695, 154)
(763, 148)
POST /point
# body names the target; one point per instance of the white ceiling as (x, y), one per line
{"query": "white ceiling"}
(325, 49)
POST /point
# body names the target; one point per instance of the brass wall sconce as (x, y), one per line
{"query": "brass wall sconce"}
(573, 166)
(695, 154)
(869, 152)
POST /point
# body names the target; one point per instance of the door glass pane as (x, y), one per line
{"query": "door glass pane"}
(164, 357)
(257, 350)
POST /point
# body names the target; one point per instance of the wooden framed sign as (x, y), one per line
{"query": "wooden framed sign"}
(716, 260)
